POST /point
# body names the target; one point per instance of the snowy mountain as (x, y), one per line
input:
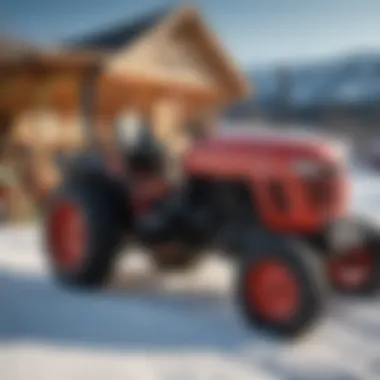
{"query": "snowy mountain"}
(349, 81)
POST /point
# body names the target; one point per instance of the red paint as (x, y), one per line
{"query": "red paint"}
(67, 235)
(262, 145)
(273, 290)
(353, 270)
(256, 160)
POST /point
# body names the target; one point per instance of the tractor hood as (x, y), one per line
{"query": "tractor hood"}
(239, 153)
(274, 144)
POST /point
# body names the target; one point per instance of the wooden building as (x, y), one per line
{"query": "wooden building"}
(167, 69)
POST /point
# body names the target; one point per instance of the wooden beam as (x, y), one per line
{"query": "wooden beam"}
(88, 101)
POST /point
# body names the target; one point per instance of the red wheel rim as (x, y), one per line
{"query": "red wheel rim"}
(273, 290)
(67, 235)
(352, 271)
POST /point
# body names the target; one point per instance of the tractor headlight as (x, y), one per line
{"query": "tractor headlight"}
(306, 168)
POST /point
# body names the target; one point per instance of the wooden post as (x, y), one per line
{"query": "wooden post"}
(88, 105)
(169, 128)
(168, 124)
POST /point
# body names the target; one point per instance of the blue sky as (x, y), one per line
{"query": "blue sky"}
(257, 32)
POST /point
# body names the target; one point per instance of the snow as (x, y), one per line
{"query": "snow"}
(350, 80)
(169, 327)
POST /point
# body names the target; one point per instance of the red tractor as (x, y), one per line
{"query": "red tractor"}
(278, 206)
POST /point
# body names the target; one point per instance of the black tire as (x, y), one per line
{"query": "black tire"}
(306, 268)
(105, 227)
(370, 246)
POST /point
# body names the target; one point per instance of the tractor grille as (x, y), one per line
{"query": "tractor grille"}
(321, 190)
(278, 195)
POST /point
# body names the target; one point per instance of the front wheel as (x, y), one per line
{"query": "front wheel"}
(282, 287)
(83, 231)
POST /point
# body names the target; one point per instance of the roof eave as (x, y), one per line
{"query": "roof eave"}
(238, 87)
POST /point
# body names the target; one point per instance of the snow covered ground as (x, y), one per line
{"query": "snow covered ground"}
(168, 328)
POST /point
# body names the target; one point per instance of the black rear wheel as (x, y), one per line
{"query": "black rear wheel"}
(282, 287)
(357, 271)
(83, 231)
